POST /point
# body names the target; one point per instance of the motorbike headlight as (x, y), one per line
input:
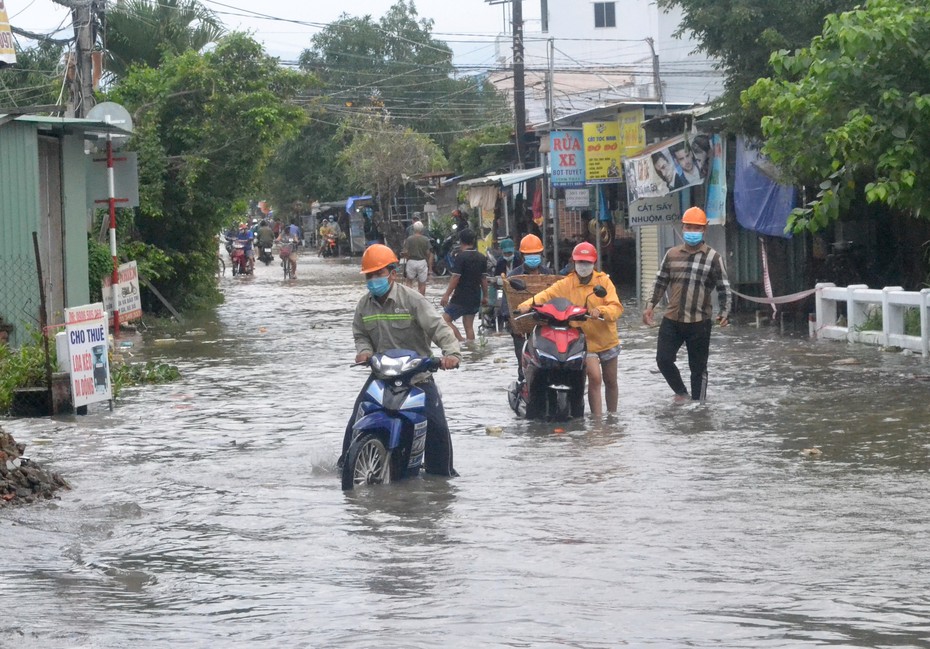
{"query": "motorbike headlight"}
(388, 367)
(411, 364)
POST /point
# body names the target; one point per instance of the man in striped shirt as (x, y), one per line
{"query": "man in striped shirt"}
(689, 275)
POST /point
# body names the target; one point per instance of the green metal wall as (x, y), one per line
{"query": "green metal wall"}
(75, 218)
(19, 217)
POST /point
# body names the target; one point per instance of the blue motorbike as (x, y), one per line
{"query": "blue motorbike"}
(389, 433)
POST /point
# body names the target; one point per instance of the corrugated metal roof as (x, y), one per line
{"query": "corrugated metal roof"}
(504, 180)
(90, 127)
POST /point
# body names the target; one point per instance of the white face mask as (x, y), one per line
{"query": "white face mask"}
(584, 268)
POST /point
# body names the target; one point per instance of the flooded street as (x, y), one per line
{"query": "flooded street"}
(208, 513)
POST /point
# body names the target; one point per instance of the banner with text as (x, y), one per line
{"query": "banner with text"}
(86, 329)
(716, 205)
(566, 159)
(7, 49)
(129, 299)
(655, 211)
(632, 134)
(602, 152)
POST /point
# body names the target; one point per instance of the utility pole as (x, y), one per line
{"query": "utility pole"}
(519, 89)
(656, 79)
(82, 81)
(550, 109)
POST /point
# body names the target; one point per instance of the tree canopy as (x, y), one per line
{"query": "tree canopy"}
(206, 124)
(394, 64)
(143, 32)
(381, 157)
(742, 34)
(36, 77)
(851, 112)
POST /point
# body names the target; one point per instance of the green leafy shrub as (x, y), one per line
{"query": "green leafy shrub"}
(23, 367)
(124, 375)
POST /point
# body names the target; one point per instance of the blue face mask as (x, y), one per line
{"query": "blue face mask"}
(532, 261)
(379, 286)
(693, 238)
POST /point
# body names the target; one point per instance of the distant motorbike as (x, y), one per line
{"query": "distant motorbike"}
(329, 247)
(240, 260)
(389, 435)
(553, 362)
(445, 252)
(264, 255)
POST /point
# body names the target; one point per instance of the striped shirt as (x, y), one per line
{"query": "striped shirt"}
(406, 320)
(690, 277)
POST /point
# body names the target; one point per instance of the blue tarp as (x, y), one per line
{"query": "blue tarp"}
(353, 199)
(762, 205)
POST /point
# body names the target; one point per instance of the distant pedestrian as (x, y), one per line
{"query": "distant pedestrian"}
(418, 256)
(468, 288)
(689, 274)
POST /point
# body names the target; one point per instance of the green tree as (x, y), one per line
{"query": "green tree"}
(395, 65)
(143, 32)
(741, 34)
(482, 152)
(851, 113)
(305, 168)
(36, 77)
(380, 158)
(206, 125)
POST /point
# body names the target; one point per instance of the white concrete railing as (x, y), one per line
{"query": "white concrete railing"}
(860, 300)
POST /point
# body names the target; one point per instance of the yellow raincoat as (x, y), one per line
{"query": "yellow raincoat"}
(601, 335)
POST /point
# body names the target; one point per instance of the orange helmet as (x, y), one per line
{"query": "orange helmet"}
(376, 257)
(530, 244)
(584, 251)
(694, 216)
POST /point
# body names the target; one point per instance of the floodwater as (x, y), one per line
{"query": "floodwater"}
(207, 512)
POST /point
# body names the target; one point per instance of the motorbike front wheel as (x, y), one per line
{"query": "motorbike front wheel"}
(562, 411)
(440, 269)
(367, 462)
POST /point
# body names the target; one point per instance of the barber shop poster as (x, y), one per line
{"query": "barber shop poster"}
(602, 152)
(662, 169)
(566, 158)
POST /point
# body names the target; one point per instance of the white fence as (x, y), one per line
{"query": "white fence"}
(861, 301)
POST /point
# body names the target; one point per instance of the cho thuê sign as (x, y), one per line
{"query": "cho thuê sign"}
(86, 330)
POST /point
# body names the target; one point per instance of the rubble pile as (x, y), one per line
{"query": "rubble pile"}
(21, 479)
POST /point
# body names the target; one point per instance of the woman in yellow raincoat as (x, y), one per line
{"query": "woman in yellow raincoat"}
(601, 334)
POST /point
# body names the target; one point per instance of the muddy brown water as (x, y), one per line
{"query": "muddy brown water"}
(207, 513)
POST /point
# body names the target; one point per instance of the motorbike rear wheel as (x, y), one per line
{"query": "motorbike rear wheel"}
(368, 462)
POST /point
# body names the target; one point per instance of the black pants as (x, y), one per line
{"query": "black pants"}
(518, 343)
(438, 450)
(696, 337)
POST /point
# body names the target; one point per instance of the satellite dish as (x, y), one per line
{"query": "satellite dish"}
(112, 113)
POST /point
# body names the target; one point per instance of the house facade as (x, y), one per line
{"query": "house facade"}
(43, 190)
(605, 52)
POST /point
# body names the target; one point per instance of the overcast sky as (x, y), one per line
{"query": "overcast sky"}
(286, 26)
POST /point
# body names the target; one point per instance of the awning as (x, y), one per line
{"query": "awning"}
(355, 199)
(504, 180)
(91, 128)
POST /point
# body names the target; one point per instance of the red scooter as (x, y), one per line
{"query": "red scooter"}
(240, 260)
(553, 362)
